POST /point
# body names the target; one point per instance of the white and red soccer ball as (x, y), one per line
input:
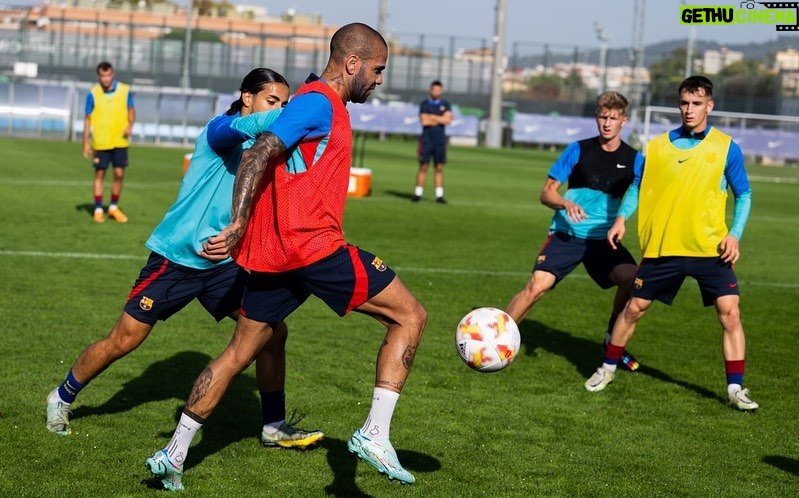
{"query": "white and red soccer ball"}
(487, 339)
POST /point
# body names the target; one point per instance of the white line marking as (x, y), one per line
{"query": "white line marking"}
(409, 269)
(80, 255)
(82, 184)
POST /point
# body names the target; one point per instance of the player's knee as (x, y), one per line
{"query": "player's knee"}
(121, 342)
(535, 290)
(280, 334)
(419, 316)
(730, 317)
(635, 309)
(414, 319)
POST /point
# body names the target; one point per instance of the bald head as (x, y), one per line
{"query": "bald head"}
(358, 57)
(356, 39)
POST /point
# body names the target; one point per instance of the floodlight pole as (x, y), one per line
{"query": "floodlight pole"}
(184, 78)
(495, 124)
(689, 53)
(603, 54)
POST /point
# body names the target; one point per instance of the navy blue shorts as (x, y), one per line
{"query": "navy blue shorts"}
(344, 280)
(561, 254)
(432, 149)
(117, 157)
(661, 278)
(164, 288)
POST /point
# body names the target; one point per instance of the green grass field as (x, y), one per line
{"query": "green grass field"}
(530, 430)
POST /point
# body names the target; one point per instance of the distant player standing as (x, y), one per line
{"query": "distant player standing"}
(682, 193)
(598, 171)
(434, 113)
(109, 122)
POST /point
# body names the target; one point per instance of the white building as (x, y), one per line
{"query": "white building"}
(714, 61)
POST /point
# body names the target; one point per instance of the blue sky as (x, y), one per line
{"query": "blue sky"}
(560, 22)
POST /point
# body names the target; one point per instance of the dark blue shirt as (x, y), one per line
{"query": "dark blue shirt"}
(437, 107)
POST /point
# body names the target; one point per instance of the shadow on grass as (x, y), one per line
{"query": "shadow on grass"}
(790, 465)
(86, 207)
(171, 378)
(586, 355)
(402, 195)
(343, 464)
(237, 417)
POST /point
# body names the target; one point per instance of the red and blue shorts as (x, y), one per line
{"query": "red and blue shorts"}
(561, 254)
(661, 278)
(344, 280)
(118, 157)
(164, 288)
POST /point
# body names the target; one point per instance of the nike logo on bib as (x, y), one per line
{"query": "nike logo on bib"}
(621, 166)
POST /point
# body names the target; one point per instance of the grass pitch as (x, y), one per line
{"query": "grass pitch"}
(529, 430)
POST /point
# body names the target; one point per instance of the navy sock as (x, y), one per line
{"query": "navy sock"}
(273, 406)
(69, 389)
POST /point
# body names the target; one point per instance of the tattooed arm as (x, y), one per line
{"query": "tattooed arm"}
(253, 164)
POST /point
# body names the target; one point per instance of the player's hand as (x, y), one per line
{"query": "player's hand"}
(87, 151)
(616, 232)
(127, 132)
(728, 249)
(574, 212)
(219, 247)
(215, 248)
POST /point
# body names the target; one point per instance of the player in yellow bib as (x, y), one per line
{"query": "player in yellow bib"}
(106, 132)
(681, 196)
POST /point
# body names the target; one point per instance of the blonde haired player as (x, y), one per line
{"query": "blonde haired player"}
(598, 171)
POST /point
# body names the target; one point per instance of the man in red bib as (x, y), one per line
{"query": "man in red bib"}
(286, 230)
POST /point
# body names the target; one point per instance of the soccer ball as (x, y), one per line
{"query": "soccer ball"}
(487, 339)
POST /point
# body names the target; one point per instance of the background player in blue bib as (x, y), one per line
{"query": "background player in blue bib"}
(598, 171)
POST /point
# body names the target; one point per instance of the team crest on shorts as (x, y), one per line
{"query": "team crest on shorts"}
(541, 258)
(378, 264)
(146, 303)
(638, 283)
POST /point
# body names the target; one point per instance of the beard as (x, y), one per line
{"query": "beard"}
(360, 89)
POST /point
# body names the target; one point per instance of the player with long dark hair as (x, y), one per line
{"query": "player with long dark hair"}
(176, 272)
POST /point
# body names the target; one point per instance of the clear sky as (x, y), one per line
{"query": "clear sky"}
(557, 22)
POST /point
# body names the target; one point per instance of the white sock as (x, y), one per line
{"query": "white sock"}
(98, 210)
(418, 191)
(55, 398)
(272, 427)
(178, 447)
(733, 388)
(111, 207)
(609, 367)
(378, 424)
(439, 192)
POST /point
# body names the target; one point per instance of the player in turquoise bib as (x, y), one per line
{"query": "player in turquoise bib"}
(176, 273)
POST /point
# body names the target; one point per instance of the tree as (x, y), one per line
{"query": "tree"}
(665, 76)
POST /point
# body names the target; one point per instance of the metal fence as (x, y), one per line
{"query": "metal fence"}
(540, 77)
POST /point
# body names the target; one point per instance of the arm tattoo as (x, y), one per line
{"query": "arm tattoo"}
(201, 386)
(248, 177)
